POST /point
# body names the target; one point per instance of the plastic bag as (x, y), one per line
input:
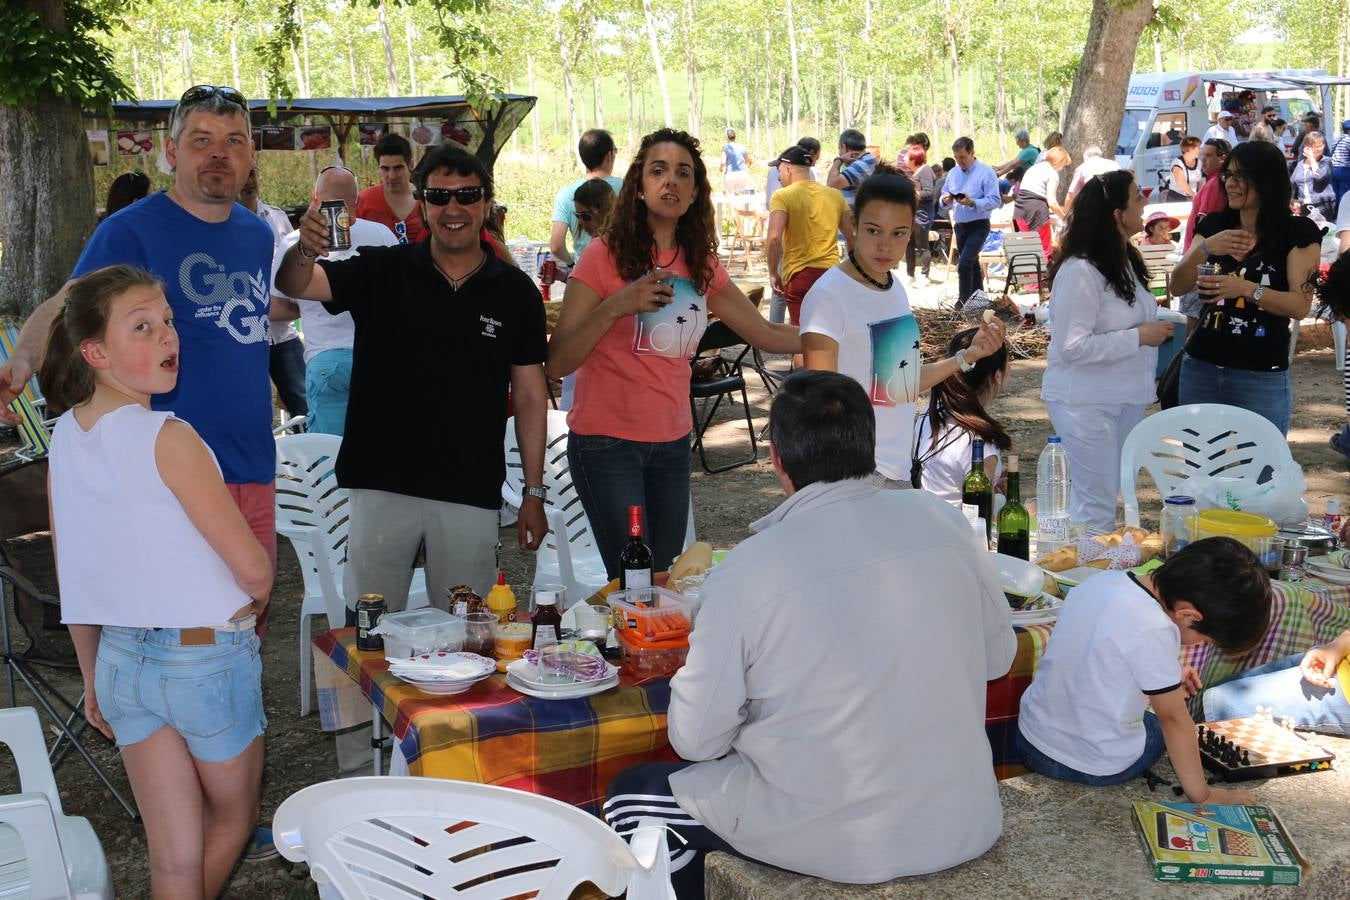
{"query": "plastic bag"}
(1279, 497)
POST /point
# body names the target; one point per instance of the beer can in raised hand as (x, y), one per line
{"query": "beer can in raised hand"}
(339, 223)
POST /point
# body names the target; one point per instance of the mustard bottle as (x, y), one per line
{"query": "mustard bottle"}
(501, 599)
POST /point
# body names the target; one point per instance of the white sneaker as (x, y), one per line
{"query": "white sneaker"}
(921, 280)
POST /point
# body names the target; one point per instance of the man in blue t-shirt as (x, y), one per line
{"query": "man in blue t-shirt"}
(597, 151)
(215, 260)
(735, 165)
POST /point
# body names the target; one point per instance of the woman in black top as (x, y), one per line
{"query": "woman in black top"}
(1240, 353)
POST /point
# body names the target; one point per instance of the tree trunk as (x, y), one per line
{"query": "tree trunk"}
(792, 51)
(1000, 98)
(300, 87)
(351, 62)
(632, 111)
(690, 27)
(563, 51)
(136, 67)
(949, 33)
(44, 166)
(185, 49)
(867, 85)
(765, 114)
(534, 119)
(159, 60)
(1103, 77)
(390, 73)
(660, 67)
(304, 48)
(234, 52)
(597, 91)
(412, 61)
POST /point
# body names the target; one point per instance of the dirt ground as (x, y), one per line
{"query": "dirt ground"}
(299, 753)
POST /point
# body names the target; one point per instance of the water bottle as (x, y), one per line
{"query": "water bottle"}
(1052, 498)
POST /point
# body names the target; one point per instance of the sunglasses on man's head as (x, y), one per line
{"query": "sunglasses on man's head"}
(206, 91)
(342, 168)
(465, 196)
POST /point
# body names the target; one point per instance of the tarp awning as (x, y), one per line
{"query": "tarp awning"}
(486, 133)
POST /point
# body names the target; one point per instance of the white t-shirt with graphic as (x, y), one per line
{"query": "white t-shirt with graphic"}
(878, 342)
(1112, 647)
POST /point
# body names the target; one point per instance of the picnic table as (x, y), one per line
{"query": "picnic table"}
(571, 749)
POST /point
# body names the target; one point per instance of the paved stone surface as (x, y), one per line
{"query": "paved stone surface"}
(1065, 841)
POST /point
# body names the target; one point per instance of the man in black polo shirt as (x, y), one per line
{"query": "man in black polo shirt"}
(443, 329)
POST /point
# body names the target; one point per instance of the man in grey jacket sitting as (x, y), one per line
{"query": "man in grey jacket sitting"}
(832, 706)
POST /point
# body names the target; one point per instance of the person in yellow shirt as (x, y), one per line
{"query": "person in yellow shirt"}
(1311, 690)
(805, 220)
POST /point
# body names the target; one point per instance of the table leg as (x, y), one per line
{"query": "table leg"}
(376, 740)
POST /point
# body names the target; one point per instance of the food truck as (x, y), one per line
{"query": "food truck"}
(1163, 107)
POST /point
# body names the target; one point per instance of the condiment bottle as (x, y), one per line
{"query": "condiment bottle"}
(547, 621)
(502, 600)
(1332, 520)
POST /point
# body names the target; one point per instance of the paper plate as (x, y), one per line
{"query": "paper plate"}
(523, 672)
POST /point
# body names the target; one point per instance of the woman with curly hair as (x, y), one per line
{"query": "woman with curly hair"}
(636, 307)
(1333, 299)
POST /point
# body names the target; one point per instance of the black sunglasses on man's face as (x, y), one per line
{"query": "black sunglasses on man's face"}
(465, 196)
(205, 91)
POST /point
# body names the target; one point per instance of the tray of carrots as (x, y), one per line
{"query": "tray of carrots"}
(654, 614)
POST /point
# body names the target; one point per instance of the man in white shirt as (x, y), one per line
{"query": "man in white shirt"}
(287, 355)
(1093, 164)
(1223, 128)
(825, 739)
(328, 338)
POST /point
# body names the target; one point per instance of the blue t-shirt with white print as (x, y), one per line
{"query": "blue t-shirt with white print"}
(217, 280)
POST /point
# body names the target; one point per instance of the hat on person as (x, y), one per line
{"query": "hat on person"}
(1226, 114)
(795, 155)
(1345, 126)
(1159, 216)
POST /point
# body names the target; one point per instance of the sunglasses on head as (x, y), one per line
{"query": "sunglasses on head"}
(206, 91)
(465, 196)
(341, 168)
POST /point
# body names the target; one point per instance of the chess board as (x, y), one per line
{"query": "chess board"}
(1257, 747)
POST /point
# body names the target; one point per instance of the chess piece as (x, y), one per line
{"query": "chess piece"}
(1245, 760)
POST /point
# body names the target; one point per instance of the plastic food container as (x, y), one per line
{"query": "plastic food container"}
(413, 632)
(650, 659)
(1243, 527)
(652, 612)
(510, 640)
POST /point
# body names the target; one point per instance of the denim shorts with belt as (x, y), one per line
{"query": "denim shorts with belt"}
(204, 683)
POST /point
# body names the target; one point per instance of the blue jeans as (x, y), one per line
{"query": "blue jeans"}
(1340, 180)
(1038, 762)
(211, 694)
(1280, 686)
(1268, 394)
(612, 474)
(970, 237)
(286, 364)
(328, 383)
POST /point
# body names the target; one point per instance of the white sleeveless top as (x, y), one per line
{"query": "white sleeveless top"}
(126, 552)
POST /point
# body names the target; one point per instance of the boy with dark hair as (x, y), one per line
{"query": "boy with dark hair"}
(1115, 651)
(391, 202)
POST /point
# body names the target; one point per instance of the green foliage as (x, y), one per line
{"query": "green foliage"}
(38, 61)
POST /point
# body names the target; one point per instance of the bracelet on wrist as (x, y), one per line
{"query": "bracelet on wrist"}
(305, 253)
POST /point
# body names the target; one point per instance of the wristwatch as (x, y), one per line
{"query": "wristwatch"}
(961, 362)
(540, 492)
(1256, 294)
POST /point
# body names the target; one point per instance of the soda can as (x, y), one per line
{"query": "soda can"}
(548, 271)
(369, 610)
(339, 222)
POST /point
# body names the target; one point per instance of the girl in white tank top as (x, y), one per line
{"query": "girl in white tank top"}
(159, 576)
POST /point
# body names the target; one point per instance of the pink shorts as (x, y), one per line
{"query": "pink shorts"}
(258, 504)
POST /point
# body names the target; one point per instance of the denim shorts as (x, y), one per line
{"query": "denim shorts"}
(211, 694)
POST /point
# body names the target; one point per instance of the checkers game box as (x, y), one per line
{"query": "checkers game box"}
(1217, 844)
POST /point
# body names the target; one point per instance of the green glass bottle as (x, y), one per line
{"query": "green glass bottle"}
(1014, 524)
(977, 489)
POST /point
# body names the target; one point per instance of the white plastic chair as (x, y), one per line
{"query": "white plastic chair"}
(432, 837)
(1200, 439)
(44, 854)
(312, 513)
(568, 555)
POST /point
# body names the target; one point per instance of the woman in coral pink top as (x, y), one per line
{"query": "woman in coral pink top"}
(636, 305)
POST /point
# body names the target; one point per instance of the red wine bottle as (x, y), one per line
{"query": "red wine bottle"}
(635, 563)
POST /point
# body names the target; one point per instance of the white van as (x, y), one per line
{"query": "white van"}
(1163, 107)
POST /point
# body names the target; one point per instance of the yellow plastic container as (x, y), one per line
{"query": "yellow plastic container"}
(1243, 527)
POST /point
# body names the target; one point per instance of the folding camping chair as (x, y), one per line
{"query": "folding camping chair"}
(1025, 259)
(727, 378)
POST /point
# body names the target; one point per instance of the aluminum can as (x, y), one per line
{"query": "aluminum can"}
(339, 222)
(369, 610)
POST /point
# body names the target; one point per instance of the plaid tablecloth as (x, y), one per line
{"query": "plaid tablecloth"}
(565, 749)
(1003, 696)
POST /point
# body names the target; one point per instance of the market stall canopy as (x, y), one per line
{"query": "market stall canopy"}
(483, 133)
(1286, 80)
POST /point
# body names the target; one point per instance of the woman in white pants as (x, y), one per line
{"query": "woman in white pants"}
(1104, 336)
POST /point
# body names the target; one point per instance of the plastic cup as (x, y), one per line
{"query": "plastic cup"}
(592, 623)
(556, 665)
(1270, 550)
(554, 592)
(478, 637)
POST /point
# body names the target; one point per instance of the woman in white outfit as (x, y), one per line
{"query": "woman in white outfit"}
(1104, 336)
